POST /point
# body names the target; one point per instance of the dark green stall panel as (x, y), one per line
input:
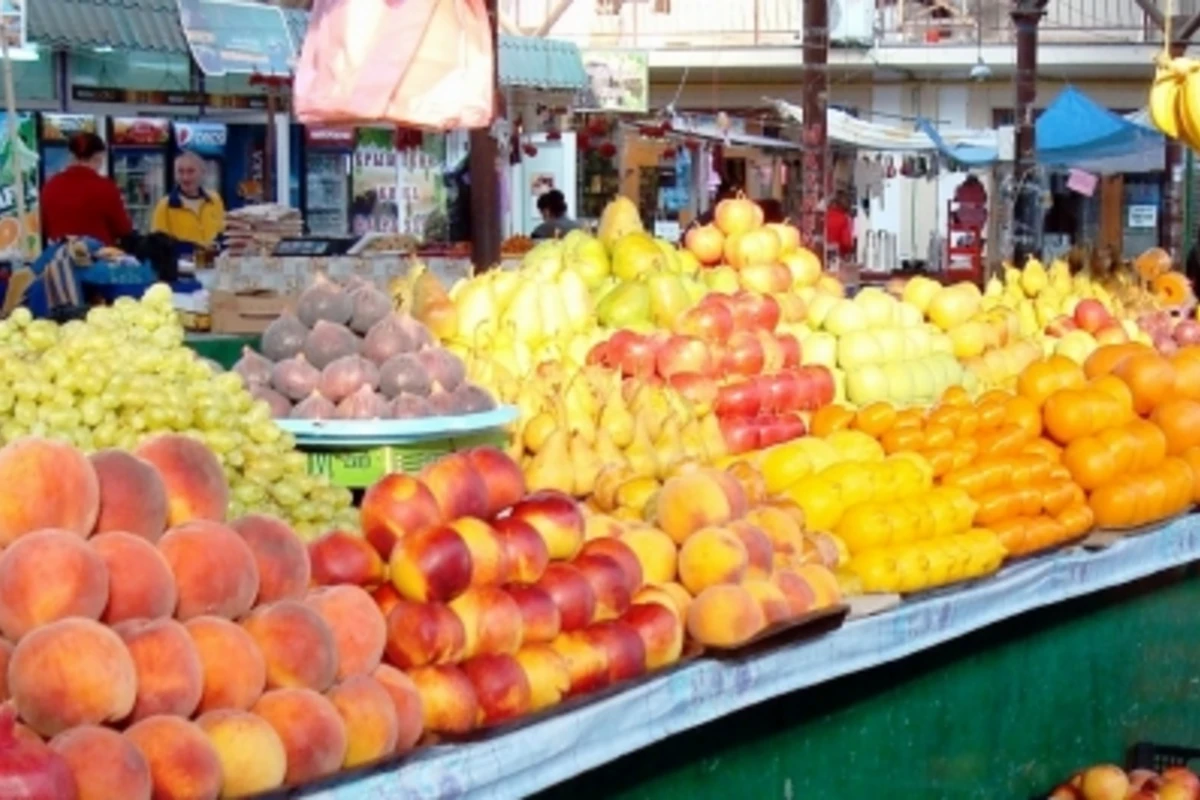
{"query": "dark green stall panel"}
(1006, 712)
(225, 349)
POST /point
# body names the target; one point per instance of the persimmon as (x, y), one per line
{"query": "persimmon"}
(1150, 378)
(1179, 420)
(1058, 496)
(1117, 389)
(1011, 533)
(1042, 378)
(992, 396)
(938, 436)
(1022, 412)
(909, 418)
(900, 439)
(955, 396)
(997, 505)
(1044, 448)
(875, 419)
(1192, 457)
(1150, 444)
(991, 415)
(1076, 520)
(1114, 505)
(1006, 440)
(1180, 476)
(1187, 372)
(965, 451)
(830, 418)
(1122, 446)
(1105, 358)
(1090, 463)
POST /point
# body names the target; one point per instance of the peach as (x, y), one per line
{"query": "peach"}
(282, 560)
(370, 718)
(170, 677)
(712, 556)
(133, 497)
(447, 698)
(657, 595)
(140, 583)
(725, 615)
(681, 596)
(772, 600)
(23, 733)
(182, 761)
(235, 672)
(341, 557)
(1104, 782)
(251, 753)
(214, 570)
(786, 536)
(557, 519)
(602, 526)
(824, 584)
(431, 566)
(386, 597)
(655, 551)
(105, 764)
(359, 629)
(6, 649)
(501, 687)
(587, 661)
(759, 551)
(312, 732)
(406, 701)
(625, 654)
(491, 620)
(396, 506)
(1182, 776)
(419, 634)
(621, 553)
(690, 502)
(547, 673)
(489, 557)
(799, 594)
(46, 576)
(750, 481)
(59, 477)
(572, 593)
(827, 550)
(609, 583)
(527, 553)
(661, 632)
(540, 617)
(297, 645)
(502, 477)
(459, 490)
(195, 482)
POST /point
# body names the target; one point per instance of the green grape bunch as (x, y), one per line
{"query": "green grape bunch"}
(125, 374)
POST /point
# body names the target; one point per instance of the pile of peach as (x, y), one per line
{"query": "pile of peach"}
(744, 562)
(165, 653)
(497, 604)
(1110, 782)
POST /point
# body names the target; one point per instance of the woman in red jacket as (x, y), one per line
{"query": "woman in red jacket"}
(79, 201)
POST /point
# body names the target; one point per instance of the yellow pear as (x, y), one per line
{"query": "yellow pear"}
(616, 420)
(538, 430)
(640, 452)
(608, 481)
(580, 411)
(585, 466)
(635, 494)
(668, 447)
(607, 450)
(691, 440)
(551, 467)
(516, 442)
(713, 438)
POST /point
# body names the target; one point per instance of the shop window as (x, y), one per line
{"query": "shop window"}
(134, 70)
(609, 8)
(34, 80)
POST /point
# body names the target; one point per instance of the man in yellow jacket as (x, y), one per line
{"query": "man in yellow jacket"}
(195, 218)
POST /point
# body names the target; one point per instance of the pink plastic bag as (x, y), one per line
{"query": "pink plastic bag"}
(419, 63)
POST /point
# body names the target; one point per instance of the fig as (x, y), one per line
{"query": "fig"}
(472, 399)
(409, 406)
(444, 404)
(295, 378)
(315, 406)
(253, 368)
(327, 342)
(444, 368)
(344, 376)
(284, 337)
(363, 404)
(403, 374)
(280, 405)
(370, 306)
(324, 301)
(386, 339)
(417, 332)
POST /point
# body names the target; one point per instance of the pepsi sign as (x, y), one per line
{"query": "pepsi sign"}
(205, 139)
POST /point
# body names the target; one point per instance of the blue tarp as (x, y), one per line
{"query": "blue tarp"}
(1072, 129)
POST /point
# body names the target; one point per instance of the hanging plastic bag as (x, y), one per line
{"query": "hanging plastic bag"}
(419, 63)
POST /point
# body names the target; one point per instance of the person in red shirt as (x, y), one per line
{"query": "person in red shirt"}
(839, 228)
(79, 201)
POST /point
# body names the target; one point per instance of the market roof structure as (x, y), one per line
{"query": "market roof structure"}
(525, 62)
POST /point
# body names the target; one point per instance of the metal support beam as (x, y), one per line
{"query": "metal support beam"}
(484, 173)
(553, 17)
(814, 140)
(1028, 214)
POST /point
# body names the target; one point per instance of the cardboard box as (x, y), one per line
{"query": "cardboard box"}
(247, 312)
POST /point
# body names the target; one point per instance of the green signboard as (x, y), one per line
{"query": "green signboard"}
(243, 38)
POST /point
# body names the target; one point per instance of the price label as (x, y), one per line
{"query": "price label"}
(352, 470)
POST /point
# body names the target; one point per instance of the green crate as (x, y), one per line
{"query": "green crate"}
(358, 468)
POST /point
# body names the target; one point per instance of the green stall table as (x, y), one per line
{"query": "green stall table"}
(223, 348)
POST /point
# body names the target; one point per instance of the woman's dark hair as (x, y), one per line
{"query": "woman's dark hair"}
(85, 145)
(772, 209)
(553, 203)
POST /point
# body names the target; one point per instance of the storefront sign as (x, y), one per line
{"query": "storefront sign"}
(19, 158)
(140, 132)
(12, 13)
(374, 206)
(237, 38)
(1143, 216)
(618, 80)
(329, 138)
(59, 128)
(99, 94)
(206, 139)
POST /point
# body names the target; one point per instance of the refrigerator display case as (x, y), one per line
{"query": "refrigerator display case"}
(55, 134)
(139, 152)
(327, 170)
(207, 140)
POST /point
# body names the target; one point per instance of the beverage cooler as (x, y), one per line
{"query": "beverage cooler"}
(207, 140)
(139, 152)
(327, 169)
(56, 132)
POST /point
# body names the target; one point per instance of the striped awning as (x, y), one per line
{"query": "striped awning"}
(153, 25)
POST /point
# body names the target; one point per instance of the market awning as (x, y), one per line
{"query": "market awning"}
(525, 62)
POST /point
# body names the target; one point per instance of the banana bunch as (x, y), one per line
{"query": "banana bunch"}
(1175, 99)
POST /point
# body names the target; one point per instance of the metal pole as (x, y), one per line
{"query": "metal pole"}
(484, 173)
(1028, 215)
(1171, 223)
(814, 140)
(14, 137)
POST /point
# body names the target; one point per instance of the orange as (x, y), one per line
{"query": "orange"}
(1106, 358)
(1150, 444)
(1192, 457)
(940, 458)
(1068, 415)
(1076, 520)
(1029, 500)
(955, 396)
(973, 478)
(965, 451)
(1091, 463)
(1115, 388)
(1042, 378)
(1114, 506)
(902, 438)
(1044, 448)
(1180, 478)
(1150, 378)
(1187, 372)
(829, 419)
(1006, 440)
(1022, 412)
(1057, 497)
(875, 419)
(1179, 420)
(1121, 444)
(991, 415)
(992, 396)
(909, 418)
(996, 506)
(938, 436)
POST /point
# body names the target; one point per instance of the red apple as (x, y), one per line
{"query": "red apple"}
(503, 478)
(794, 425)
(781, 392)
(1060, 326)
(419, 634)
(501, 687)
(557, 519)
(600, 354)
(396, 506)
(1091, 315)
(771, 431)
(459, 490)
(699, 390)
(712, 322)
(742, 399)
(340, 557)
(1112, 333)
(752, 310)
(661, 632)
(1183, 777)
(527, 553)
(684, 354)
(741, 434)
(626, 654)
(609, 583)
(790, 346)
(632, 353)
(621, 553)
(542, 621)
(744, 354)
(772, 352)
(824, 390)
(572, 593)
